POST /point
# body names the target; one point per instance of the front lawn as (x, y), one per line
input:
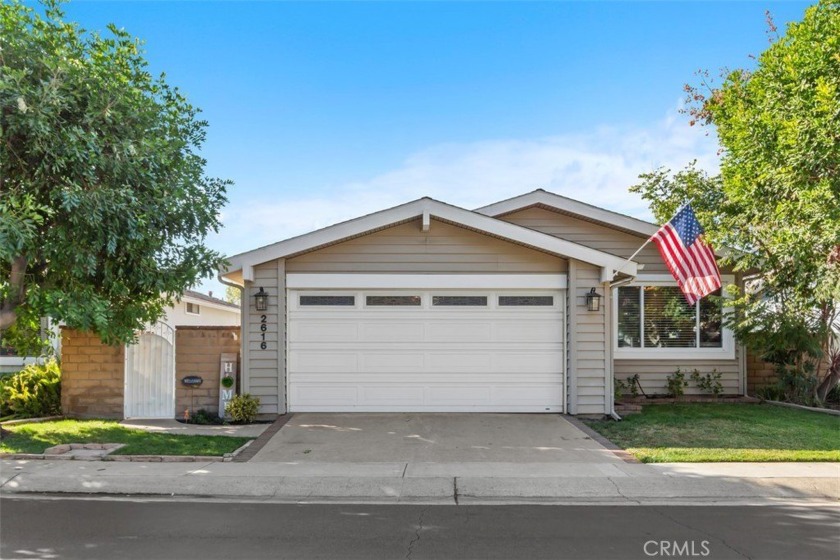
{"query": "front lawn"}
(698, 433)
(36, 437)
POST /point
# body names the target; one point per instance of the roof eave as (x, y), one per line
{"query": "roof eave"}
(572, 207)
(426, 208)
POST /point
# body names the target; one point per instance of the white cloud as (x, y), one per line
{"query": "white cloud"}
(595, 167)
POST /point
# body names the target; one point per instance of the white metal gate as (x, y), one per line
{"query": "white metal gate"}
(150, 374)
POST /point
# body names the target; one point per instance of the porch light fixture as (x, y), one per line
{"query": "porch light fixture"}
(593, 301)
(261, 300)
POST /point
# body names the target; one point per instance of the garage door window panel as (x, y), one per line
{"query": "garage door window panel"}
(526, 301)
(328, 301)
(459, 301)
(393, 301)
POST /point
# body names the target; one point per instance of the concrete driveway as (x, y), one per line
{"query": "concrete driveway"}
(432, 438)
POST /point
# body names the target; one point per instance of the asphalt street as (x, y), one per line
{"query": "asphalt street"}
(61, 528)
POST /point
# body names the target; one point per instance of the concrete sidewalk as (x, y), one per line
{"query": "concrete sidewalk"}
(436, 483)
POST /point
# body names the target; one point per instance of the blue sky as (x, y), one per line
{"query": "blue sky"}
(324, 111)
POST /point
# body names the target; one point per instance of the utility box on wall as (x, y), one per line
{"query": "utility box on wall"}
(227, 381)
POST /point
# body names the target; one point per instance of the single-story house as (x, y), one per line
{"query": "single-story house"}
(428, 307)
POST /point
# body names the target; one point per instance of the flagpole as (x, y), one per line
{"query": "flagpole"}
(639, 250)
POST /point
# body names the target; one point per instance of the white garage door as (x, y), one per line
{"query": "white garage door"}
(434, 351)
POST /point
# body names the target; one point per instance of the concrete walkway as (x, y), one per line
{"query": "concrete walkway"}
(179, 428)
(435, 483)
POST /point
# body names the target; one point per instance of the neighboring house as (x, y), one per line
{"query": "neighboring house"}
(431, 307)
(195, 309)
(11, 361)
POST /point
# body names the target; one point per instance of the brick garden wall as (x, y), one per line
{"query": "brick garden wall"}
(92, 376)
(759, 374)
(197, 352)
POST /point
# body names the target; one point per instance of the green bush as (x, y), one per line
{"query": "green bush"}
(243, 409)
(676, 384)
(32, 392)
(204, 417)
(708, 383)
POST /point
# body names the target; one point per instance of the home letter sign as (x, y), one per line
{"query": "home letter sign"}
(227, 381)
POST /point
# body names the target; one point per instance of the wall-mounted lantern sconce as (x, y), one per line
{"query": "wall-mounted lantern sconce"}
(593, 301)
(261, 300)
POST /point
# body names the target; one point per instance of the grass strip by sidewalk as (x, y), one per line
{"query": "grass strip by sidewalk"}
(35, 438)
(725, 432)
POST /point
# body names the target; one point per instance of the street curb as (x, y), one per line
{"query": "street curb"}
(618, 451)
(255, 445)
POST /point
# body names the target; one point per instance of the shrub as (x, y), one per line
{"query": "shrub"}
(619, 387)
(798, 384)
(32, 392)
(243, 409)
(635, 385)
(677, 384)
(205, 417)
(709, 383)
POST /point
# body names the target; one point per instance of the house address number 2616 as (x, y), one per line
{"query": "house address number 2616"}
(263, 328)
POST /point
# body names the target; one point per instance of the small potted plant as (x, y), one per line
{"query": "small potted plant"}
(227, 381)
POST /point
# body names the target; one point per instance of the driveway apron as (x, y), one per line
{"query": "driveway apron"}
(432, 438)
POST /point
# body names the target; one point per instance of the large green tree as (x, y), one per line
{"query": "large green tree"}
(776, 202)
(104, 204)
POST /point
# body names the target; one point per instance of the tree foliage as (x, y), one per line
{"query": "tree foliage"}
(233, 295)
(776, 202)
(104, 205)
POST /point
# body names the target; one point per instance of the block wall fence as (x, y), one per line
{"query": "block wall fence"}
(93, 373)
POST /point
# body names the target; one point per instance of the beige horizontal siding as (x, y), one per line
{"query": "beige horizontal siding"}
(263, 369)
(592, 235)
(590, 339)
(653, 374)
(445, 248)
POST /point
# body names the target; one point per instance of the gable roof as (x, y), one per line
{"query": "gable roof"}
(425, 208)
(572, 207)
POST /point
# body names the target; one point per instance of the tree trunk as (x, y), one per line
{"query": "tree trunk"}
(832, 379)
(17, 281)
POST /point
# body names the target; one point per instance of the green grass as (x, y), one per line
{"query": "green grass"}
(36, 437)
(697, 433)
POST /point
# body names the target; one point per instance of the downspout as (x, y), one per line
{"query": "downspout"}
(610, 305)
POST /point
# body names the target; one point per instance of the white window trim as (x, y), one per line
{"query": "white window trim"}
(726, 352)
(20, 361)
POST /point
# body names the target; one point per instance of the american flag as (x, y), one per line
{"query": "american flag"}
(689, 258)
